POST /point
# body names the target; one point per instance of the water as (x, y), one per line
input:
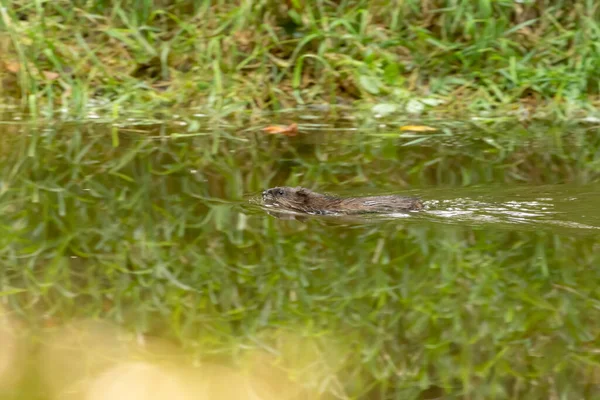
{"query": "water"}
(154, 228)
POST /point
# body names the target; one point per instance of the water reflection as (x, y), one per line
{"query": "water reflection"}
(150, 226)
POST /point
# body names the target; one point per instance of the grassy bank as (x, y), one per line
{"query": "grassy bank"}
(531, 58)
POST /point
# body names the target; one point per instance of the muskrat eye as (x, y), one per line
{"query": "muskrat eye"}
(280, 192)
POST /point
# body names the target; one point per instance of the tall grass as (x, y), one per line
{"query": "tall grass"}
(473, 56)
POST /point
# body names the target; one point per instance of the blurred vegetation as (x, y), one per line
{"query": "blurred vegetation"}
(528, 57)
(151, 229)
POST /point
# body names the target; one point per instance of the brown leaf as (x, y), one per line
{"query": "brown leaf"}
(417, 128)
(290, 130)
(50, 75)
(12, 66)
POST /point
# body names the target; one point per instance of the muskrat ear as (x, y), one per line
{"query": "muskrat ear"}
(302, 191)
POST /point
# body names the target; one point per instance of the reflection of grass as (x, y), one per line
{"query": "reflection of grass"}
(468, 55)
(122, 233)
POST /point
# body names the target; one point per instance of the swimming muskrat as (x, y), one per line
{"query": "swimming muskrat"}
(306, 201)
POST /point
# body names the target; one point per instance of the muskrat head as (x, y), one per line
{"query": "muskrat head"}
(286, 197)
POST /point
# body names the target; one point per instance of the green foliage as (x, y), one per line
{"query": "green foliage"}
(271, 54)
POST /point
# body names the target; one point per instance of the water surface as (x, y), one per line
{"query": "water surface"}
(153, 227)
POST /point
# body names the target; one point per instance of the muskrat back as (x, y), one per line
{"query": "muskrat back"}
(306, 201)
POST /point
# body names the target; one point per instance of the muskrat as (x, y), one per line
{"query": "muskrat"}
(304, 200)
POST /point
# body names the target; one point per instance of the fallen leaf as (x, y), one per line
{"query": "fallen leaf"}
(290, 130)
(417, 128)
(50, 75)
(12, 66)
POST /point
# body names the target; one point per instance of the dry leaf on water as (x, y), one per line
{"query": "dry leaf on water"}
(290, 130)
(417, 128)
(50, 75)
(12, 66)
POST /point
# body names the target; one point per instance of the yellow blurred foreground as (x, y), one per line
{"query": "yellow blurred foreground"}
(94, 360)
(11, 352)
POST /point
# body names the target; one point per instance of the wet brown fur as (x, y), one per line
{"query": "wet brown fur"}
(306, 201)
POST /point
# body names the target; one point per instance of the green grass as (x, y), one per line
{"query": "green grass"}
(155, 235)
(536, 57)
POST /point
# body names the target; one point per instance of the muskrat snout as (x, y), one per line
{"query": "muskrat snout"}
(270, 195)
(265, 195)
